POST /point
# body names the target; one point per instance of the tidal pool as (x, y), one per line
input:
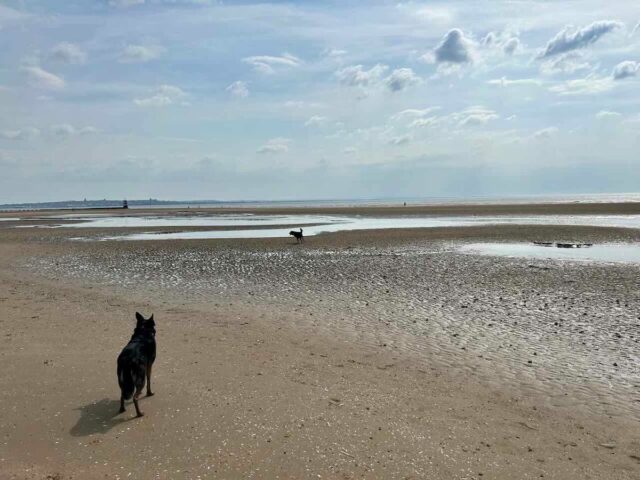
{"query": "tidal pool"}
(253, 226)
(235, 221)
(609, 252)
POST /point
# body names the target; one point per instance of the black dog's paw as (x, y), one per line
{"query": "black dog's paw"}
(150, 394)
(140, 415)
(122, 410)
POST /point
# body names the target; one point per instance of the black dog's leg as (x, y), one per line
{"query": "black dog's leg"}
(149, 392)
(135, 402)
(122, 409)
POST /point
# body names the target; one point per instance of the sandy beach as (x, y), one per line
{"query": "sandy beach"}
(362, 354)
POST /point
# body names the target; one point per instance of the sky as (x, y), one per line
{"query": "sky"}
(238, 100)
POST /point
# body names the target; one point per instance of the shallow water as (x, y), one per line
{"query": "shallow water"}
(245, 225)
(625, 253)
(247, 220)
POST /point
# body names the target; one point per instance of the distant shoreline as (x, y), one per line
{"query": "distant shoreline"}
(480, 209)
(458, 202)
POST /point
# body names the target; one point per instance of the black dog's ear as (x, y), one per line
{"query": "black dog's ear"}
(151, 321)
(139, 318)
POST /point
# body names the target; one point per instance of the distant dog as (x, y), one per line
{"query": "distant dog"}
(298, 235)
(135, 362)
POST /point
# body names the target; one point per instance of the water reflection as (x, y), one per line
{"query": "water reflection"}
(625, 253)
(253, 226)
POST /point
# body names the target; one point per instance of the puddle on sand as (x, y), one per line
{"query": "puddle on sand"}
(246, 220)
(245, 225)
(335, 222)
(616, 253)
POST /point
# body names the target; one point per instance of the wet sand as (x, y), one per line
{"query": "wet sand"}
(373, 354)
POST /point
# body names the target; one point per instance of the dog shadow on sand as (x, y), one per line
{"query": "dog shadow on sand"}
(99, 417)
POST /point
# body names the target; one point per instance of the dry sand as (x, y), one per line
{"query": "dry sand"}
(379, 354)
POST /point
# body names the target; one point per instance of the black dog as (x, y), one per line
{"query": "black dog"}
(135, 362)
(298, 235)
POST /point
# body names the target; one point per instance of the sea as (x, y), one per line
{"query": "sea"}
(362, 202)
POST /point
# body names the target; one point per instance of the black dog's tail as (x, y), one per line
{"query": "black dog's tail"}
(126, 381)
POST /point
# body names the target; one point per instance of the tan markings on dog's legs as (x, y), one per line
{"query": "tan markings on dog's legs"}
(135, 402)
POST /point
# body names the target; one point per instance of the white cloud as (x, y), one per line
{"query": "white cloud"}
(400, 140)
(87, 130)
(570, 38)
(357, 76)
(476, 116)
(413, 113)
(401, 78)
(454, 48)
(238, 89)
(545, 133)
(67, 130)
(63, 130)
(520, 82)
(8, 14)
(584, 86)
(154, 101)
(39, 78)
(606, 114)
(163, 95)
(302, 104)
(626, 69)
(171, 91)
(434, 14)
(350, 151)
(334, 52)
(315, 121)
(267, 64)
(564, 64)
(506, 42)
(68, 53)
(26, 133)
(124, 3)
(424, 122)
(191, 2)
(275, 146)
(140, 53)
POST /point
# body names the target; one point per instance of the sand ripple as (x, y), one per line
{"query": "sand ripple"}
(567, 332)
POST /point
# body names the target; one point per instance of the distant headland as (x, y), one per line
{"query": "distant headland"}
(102, 204)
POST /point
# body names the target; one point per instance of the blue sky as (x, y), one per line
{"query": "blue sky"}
(287, 100)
